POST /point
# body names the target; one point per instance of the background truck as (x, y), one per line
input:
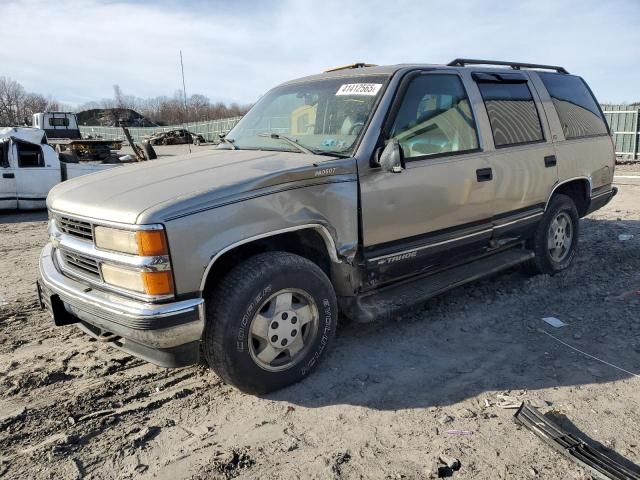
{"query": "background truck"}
(29, 167)
(63, 133)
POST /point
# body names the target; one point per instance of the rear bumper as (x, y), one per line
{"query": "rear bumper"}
(166, 334)
(601, 199)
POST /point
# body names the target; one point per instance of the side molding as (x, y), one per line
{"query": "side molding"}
(322, 230)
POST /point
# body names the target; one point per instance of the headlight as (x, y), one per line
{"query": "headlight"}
(148, 243)
(149, 283)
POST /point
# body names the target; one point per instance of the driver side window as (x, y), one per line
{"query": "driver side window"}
(29, 155)
(435, 118)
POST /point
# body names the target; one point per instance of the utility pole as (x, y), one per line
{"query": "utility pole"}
(184, 93)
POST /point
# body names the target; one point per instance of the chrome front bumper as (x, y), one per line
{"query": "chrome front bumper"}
(166, 334)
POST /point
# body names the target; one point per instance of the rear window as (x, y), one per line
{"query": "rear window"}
(58, 122)
(512, 113)
(577, 109)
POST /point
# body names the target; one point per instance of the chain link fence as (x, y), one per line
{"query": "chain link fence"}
(209, 130)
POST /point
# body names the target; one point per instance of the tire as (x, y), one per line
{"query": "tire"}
(549, 260)
(256, 294)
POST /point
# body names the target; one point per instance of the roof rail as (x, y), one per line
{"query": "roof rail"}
(461, 62)
(352, 65)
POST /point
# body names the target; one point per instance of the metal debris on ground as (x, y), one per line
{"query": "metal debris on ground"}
(554, 322)
(507, 401)
(597, 463)
(593, 357)
(459, 432)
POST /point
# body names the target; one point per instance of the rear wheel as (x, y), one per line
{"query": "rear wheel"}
(269, 322)
(556, 238)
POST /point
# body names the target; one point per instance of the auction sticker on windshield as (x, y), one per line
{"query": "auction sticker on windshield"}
(370, 89)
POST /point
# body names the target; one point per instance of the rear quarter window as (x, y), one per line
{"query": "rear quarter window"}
(576, 106)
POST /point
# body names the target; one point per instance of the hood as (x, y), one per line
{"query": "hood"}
(26, 134)
(149, 191)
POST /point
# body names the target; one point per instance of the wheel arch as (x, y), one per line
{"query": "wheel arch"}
(578, 189)
(311, 241)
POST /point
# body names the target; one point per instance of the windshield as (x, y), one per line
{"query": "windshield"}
(324, 117)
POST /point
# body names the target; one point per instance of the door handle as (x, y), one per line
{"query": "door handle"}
(550, 161)
(8, 175)
(484, 174)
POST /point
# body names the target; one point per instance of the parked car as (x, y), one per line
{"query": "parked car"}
(176, 137)
(364, 190)
(30, 166)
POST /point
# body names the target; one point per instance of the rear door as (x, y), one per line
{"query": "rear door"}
(35, 174)
(8, 196)
(522, 156)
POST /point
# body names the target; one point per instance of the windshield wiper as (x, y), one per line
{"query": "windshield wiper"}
(332, 153)
(229, 141)
(290, 140)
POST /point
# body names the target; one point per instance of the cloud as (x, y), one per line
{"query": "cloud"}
(235, 51)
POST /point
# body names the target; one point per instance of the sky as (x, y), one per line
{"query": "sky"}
(234, 51)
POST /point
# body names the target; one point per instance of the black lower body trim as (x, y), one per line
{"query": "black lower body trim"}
(601, 200)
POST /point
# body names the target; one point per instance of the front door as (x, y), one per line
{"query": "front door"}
(8, 195)
(437, 210)
(34, 177)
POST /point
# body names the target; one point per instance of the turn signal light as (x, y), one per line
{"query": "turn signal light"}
(158, 283)
(152, 243)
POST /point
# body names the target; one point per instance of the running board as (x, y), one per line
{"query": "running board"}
(388, 302)
(597, 463)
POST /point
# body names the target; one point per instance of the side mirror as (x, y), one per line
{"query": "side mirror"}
(390, 159)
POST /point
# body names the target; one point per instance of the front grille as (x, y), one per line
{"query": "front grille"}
(81, 264)
(75, 227)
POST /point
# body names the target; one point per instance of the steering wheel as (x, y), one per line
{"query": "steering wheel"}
(354, 126)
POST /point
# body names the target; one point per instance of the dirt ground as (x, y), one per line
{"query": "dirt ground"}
(383, 404)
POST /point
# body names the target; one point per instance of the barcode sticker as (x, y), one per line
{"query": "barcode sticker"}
(369, 89)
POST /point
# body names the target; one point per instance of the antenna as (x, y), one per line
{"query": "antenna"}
(184, 92)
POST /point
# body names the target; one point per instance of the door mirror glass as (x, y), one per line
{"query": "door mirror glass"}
(391, 157)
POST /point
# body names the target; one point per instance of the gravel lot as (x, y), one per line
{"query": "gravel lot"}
(381, 404)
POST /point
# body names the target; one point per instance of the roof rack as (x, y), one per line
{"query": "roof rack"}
(461, 62)
(352, 65)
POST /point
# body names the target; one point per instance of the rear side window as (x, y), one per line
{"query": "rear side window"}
(577, 109)
(435, 118)
(512, 113)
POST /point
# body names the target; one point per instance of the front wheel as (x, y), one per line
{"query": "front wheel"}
(269, 322)
(556, 238)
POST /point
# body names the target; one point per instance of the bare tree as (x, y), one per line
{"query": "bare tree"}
(12, 96)
(17, 106)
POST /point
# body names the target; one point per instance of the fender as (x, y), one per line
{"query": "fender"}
(588, 179)
(322, 230)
